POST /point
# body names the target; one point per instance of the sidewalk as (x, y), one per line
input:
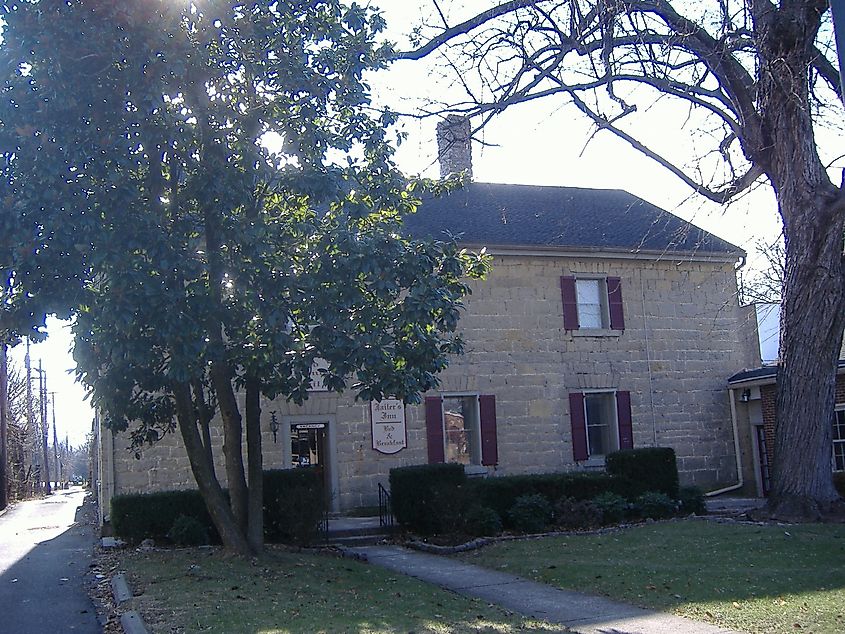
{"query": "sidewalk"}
(581, 613)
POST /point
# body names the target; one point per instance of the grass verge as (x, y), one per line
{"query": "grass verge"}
(767, 579)
(203, 590)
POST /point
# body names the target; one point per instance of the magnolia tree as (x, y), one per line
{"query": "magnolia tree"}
(205, 187)
(757, 83)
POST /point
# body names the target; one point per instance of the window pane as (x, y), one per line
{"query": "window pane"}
(839, 441)
(461, 429)
(590, 311)
(602, 436)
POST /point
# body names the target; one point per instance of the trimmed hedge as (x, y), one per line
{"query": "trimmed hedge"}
(501, 493)
(648, 469)
(428, 499)
(137, 516)
(293, 507)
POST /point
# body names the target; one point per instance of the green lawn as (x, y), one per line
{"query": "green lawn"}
(197, 590)
(746, 577)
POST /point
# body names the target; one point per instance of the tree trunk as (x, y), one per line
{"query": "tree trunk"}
(812, 322)
(221, 378)
(813, 312)
(255, 466)
(233, 537)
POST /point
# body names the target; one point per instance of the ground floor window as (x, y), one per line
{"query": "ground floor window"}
(461, 429)
(839, 440)
(601, 423)
(600, 415)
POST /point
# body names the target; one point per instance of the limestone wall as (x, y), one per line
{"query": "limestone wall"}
(683, 338)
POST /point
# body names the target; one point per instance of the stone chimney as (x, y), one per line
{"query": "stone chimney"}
(454, 146)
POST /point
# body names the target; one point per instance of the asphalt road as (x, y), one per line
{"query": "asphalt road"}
(45, 552)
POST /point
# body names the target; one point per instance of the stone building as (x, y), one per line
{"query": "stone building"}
(605, 322)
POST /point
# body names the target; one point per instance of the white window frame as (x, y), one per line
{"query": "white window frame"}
(611, 394)
(604, 308)
(474, 447)
(839, 409)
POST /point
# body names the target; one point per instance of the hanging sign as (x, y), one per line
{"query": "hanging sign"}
(388, 420)
(318, 383)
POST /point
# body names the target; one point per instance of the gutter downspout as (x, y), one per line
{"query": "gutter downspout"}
(740, 480)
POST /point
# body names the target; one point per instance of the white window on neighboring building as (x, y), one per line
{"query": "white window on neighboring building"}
(839, 440)
(600, 416)
(591, 296)
(461, 429)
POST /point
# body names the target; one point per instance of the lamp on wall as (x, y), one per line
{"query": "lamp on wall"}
(746, 395)
(274, 425)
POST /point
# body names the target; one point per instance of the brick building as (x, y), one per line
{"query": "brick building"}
(753, 395)
(605, 322)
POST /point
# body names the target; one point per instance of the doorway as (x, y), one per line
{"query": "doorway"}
(311, 446)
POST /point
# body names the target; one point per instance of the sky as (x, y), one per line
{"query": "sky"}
(541, 144)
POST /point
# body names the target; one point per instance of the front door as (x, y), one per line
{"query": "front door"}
(309, 448)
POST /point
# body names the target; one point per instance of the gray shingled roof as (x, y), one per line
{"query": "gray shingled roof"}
(491, 214)
(767, 373)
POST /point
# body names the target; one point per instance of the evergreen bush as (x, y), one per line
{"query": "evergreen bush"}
(612, 506)
(647, 469)
(531, 513)
(293, 507)
(427, 499)
(188, 531)
(691, 500)
(655, 505)
(482, 521)
(570, 513)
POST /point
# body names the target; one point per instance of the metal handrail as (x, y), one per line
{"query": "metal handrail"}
(385, 509)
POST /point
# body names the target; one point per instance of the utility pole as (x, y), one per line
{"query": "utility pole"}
(45, 428)
(31, 430)
(4, 430)
(56, 464)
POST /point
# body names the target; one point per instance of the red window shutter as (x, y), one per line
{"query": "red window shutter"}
(579, 426)
(614, 303)
(623, 418)
(487, 413)
(434, 428)
(570, 302)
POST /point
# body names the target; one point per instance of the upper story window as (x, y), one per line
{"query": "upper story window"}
(591, 298)
(592, 303)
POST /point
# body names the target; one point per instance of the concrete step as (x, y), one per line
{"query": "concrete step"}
(352, 541)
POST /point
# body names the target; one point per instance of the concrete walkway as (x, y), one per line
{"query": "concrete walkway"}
(582, 613)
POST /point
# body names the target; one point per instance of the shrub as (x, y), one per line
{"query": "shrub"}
(294, 505)
(691, 500)
(481, 521)
(612, 506)
(572, 514)
(426, 499)
(656, 505)
(501, 493)
(531, 513)
(188, 531)
(140, 515)
(839, 482)
(648, 469)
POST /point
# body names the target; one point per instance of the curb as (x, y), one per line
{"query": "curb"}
(130, 620)
(133, 623)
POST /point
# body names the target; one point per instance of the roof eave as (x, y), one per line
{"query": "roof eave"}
(604, 252)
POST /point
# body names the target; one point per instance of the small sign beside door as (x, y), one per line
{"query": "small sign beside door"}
(388, 420)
